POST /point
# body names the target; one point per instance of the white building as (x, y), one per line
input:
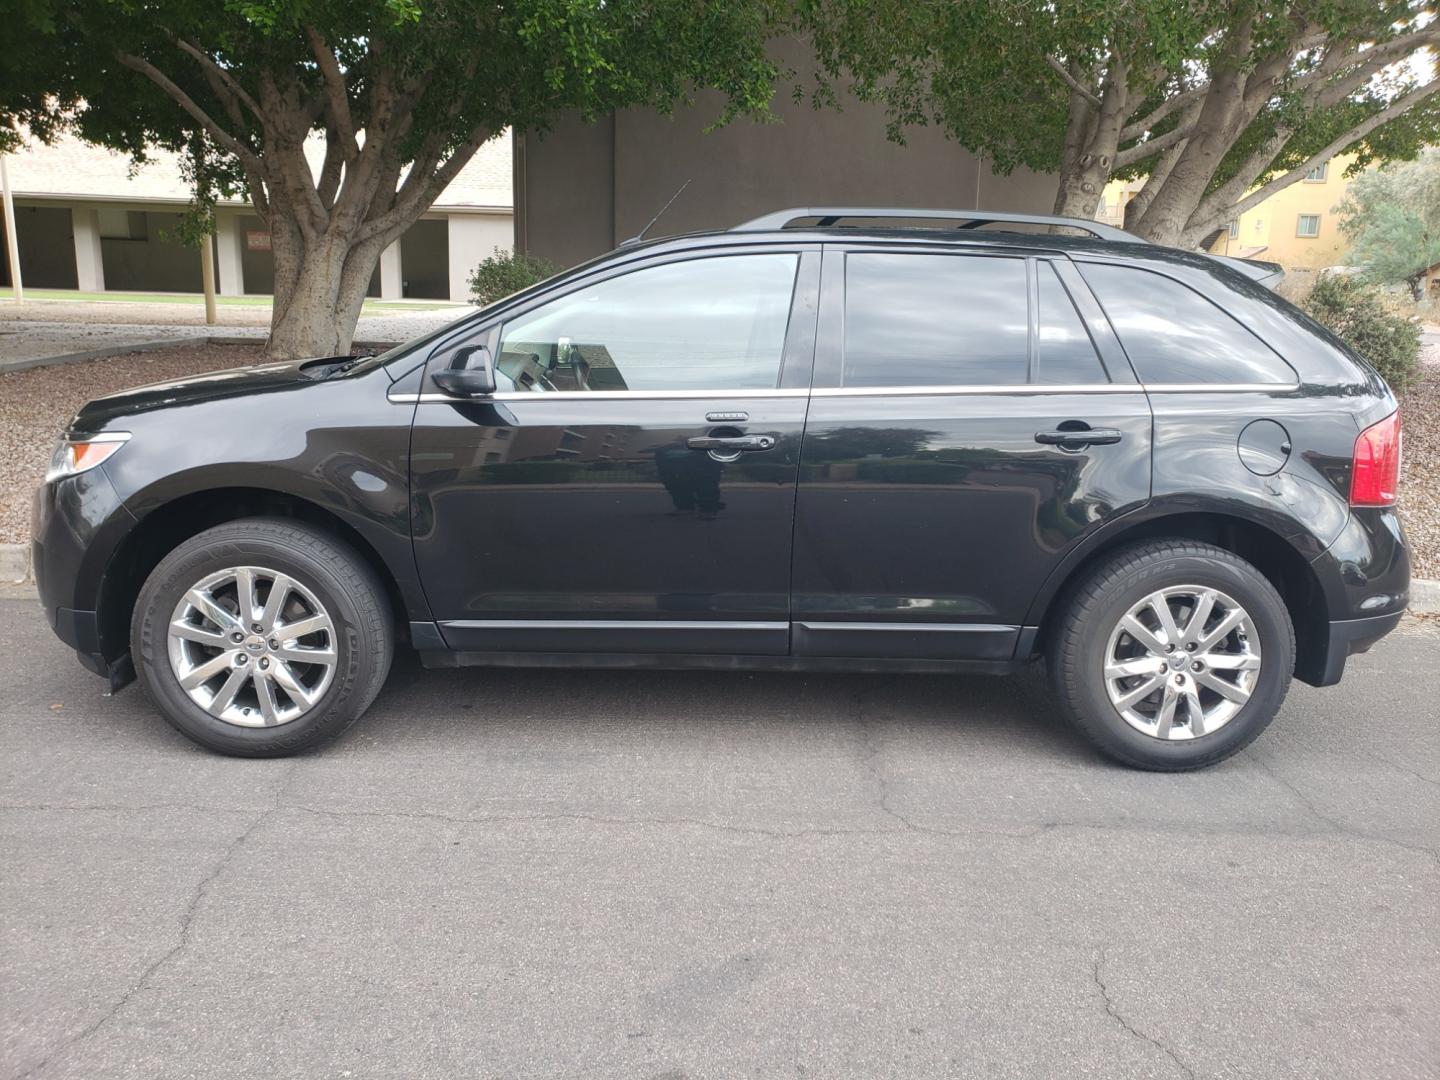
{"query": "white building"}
(87, 220)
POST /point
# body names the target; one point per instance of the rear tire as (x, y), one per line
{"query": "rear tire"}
(1171, 695)
(234, 682)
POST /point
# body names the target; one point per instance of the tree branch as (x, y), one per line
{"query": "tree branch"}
(426, 190)
(1136, 128)
(213, 69)
(336, 91)
(1140, 151)
(1213, 209)
(1073, 83)
(247, 156)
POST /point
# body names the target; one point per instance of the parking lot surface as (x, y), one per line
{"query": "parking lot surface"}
(677, 875)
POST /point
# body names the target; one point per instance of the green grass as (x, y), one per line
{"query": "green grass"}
(372, 307)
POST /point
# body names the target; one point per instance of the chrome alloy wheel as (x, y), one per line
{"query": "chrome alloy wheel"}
(252, 647)
(1182, 662)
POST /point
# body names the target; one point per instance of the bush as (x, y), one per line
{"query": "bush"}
(1360, 316)
(506, 272)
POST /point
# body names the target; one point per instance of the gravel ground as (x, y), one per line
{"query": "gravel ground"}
(1420, 464)
(36, 405)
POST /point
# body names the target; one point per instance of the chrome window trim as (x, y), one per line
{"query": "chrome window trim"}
(600, 395)
(856, 391)
(1050, 388)
(609, 624)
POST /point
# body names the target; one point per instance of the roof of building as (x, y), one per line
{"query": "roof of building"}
(70, 168)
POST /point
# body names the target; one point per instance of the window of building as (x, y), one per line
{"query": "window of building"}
(1172, 334)
(702, 324)
(1065, 352)
(1234, 230)
(1318, 174)
(1308, 225)
(935, 320)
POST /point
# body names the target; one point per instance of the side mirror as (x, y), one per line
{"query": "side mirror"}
(469, 374)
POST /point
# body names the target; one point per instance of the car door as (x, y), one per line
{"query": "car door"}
(972, 420)
(630, 487)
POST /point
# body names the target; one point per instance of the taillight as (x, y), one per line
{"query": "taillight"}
(1375, 471)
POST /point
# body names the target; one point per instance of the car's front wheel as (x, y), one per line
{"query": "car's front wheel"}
(1173, 655)
(262, 637)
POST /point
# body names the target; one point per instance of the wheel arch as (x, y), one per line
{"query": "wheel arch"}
(1282, 563)
(171, 524)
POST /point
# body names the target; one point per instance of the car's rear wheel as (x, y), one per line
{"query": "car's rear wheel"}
(1173, 655)
(262, 637)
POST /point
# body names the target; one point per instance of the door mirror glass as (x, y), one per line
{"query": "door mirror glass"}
(469, 373)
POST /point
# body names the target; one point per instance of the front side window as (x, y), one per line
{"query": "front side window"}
(702, 324)
(1172, 334)
(935, 320)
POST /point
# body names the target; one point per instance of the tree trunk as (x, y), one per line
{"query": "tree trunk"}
(1079, 192)
(327, 281)
(1417, 287)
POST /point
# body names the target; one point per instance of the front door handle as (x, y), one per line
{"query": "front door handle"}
(731, 443)
(1079, 437)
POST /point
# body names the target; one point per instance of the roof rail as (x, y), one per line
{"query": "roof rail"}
(972, 219)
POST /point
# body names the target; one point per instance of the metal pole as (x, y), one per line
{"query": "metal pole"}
(207, 277)
(12, 241)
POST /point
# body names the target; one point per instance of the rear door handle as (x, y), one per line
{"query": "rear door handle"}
(1067, 440)
(731, 443)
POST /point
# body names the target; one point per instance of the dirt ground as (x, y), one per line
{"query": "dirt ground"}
(36, 405)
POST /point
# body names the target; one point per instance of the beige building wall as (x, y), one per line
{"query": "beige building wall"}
(1276, 224)
(582, 188)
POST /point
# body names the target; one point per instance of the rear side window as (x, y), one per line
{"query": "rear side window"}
(1065, 353)
(935, 320)
(1172, 334)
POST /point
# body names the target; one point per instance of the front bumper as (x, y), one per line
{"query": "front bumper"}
(75, 526)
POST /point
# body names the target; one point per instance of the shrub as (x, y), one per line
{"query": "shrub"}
(506, 272)
(1359, 315)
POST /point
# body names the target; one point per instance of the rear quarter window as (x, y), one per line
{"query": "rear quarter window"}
(1172, 334)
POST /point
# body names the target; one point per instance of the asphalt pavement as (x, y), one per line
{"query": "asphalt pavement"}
(675, 875)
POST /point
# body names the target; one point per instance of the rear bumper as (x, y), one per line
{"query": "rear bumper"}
(1349, 637)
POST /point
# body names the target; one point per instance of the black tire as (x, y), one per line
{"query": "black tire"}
(346, 587)
(1077, 650)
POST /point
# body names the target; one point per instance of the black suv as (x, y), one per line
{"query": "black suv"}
(791, 445)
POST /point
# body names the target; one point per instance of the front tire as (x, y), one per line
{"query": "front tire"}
(1173, 655)
(262, 637)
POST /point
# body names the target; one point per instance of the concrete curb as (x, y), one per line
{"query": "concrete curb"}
(7, 366)
(15, 566)
(14, 562)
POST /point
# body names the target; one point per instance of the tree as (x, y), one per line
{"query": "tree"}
(403, 92)
(1218, 103)
(1392, 217)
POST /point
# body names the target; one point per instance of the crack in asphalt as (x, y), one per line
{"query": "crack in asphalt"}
(1335, 824)
(186, 925)
(885, 787)
(1131, 1028)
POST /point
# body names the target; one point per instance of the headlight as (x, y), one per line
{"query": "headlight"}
(79, 453)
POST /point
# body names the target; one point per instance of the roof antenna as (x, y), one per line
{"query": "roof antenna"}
(641, 234)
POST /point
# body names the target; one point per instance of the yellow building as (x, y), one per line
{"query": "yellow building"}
(1295, 227)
